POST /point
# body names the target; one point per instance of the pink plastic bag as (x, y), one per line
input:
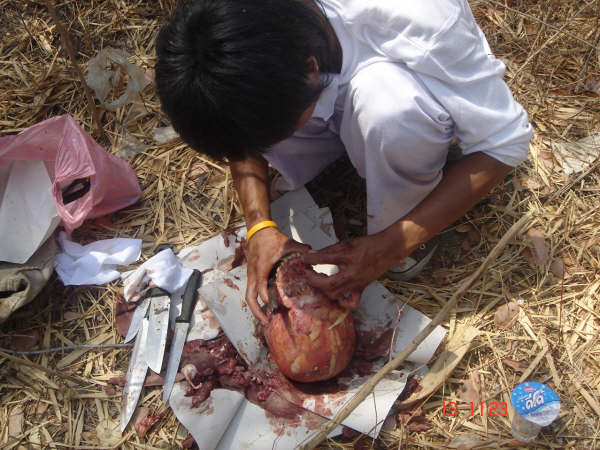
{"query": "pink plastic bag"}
(109, 182)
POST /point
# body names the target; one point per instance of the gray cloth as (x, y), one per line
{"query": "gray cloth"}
(20, 283)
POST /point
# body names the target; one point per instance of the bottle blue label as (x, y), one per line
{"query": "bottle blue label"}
(536, 402)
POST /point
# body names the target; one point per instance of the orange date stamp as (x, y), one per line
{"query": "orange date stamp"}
(491, 409)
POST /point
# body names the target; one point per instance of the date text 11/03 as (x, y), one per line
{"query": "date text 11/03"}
(492, 409)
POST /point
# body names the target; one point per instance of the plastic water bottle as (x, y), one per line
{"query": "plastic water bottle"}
(536, 406)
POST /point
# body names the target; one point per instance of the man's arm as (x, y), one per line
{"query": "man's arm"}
(267, 246)
(464, 184)
(251, 178)
(365, 259)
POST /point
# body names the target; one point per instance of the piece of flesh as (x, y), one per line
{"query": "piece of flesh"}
(310, 337)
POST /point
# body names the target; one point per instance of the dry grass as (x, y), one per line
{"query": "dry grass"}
(549, 48)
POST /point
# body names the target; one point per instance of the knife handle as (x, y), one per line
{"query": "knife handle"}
(189, 296)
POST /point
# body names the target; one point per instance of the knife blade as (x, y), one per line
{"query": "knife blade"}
(158, 325)
(182, 325)
(136, 320)
(136, 375)
(225, 299)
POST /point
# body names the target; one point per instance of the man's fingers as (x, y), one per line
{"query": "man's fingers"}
(263, 292)
(335, 254)
(251, 295)
(294, 246)
(326, 283)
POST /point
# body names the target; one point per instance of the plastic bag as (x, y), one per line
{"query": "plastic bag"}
(162, 135)
(102, 78)
(88, 181)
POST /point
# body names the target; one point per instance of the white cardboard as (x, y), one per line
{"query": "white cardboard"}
(298, 216)
(28, 214)
(254, 428)
(209, 422)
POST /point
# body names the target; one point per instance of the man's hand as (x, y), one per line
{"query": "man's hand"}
(361, 261)
(265, 248)
(365, 259)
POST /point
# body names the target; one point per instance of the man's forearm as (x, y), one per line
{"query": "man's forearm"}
(251, 178)
(464, 184)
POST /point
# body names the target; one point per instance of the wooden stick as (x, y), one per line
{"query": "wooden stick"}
(368, 387)
(68, 46)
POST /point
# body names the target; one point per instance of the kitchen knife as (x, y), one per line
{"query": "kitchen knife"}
(136, 320)
(136, 375)
(158, 325)
(225, 299)
(182, 325)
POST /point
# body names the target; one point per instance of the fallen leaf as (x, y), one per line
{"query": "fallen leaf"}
(543, 157)
(534, 185)
(528, 255)
(470, 389)
(540, 247)
(419, 424)
(26, 340)
(474, 236)
(71, 315)
(15, 421)
(592, 84)
(389, 424)
(557, 268)
(517, 366)
(463, 228)
(466, 245)
(576, 157)
(108, 432)
(41, 409)
(466, 441)
(505, 314)
(415, 421)
(518, 185)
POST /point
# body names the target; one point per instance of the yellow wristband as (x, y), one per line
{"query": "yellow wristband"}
(259, 226)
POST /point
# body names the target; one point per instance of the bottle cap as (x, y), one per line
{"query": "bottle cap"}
(536, 402)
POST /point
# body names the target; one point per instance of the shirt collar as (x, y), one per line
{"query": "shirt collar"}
(325, 104)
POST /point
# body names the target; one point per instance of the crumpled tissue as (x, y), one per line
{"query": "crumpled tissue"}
(165, 271)
(94, 263)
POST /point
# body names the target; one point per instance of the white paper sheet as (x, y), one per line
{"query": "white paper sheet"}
(209, 422)
(28, 214)
(254, 428)
(298, 216)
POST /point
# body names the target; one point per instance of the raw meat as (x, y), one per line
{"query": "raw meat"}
(310, 337)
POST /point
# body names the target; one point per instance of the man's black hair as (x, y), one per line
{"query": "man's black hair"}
(232, 74)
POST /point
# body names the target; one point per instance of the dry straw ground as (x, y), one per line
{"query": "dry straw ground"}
(58, 400)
